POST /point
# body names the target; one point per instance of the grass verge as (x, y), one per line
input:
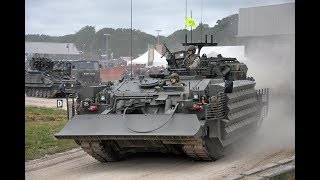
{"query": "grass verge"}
(40, 126)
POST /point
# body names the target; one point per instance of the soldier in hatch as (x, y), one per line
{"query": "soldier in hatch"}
(192, 60)
(174, 80)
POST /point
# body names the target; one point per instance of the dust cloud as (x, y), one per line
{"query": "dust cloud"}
(273, 67)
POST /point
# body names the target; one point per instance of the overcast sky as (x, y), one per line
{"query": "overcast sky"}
(62, 17)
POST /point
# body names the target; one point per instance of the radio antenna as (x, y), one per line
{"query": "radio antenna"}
(131, 41)
(201, 22)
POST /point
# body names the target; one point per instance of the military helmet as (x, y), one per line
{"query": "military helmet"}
(192, 48)
(174, 75)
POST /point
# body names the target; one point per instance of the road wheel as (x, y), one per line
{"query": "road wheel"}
(44, 93)
(41, 92)
(33, 92)
(37, 93)
(49, 93)
(29, 92)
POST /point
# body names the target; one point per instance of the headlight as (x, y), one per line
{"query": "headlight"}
(72, 85)
(64, 85)
(195, 96)
(102, 98)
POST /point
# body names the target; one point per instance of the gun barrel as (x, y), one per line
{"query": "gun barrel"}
(166, 48)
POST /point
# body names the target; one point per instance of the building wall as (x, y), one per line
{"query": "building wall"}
(267, 28)
(268, 34)
(267, 20)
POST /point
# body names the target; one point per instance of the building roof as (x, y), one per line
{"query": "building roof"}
(276, 19)
(51, 48)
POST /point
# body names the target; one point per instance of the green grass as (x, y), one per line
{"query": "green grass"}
(40, 126)
(44, 111)
(44, 114)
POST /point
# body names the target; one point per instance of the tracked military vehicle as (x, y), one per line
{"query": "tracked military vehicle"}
(47, 78)
(211, 107)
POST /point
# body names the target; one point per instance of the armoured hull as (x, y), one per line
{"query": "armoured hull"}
(109, 137)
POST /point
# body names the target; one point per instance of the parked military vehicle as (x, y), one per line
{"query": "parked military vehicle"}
(47, 78)
(87, 72)
(208, 109)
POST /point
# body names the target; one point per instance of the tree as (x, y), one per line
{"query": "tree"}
(224, 33)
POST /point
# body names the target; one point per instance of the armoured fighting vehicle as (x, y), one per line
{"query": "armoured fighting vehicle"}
(211, 107)
(47, 78)
(87, 72)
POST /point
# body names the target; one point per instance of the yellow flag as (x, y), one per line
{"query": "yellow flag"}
(191, 22)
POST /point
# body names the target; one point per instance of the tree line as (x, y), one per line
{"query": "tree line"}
(93, 42)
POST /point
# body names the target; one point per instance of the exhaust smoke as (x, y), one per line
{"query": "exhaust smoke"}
(272, 66)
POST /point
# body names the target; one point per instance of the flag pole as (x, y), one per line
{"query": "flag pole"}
(185, 25)
(191, 27)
